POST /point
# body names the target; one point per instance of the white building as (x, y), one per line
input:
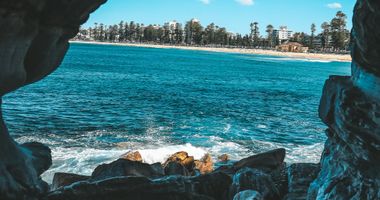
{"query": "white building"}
(172, 25)
(282, 34)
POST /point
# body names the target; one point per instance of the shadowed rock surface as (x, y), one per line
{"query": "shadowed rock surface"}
(254, 179)
(205, 187)
(300, 176)
(33, 43)
(350, 107)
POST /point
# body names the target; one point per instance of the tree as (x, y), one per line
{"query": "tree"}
(132, 31)
(338, 30)
(121, 31)
(313, 30)
(270, 35)
(178, 34)
(193, 32)
(255, 33)
(210, 34)
(325, 34)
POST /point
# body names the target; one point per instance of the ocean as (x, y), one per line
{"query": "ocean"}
(106, 100)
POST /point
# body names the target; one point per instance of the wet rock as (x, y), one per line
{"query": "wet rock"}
(41, 155)
(350, 107)
(175, 168)
(66, 179)
(206, 187)
(205, 165)
(248, 195)
(223, 158)
(267, 161)
(123, 167)
(254, 179)
(280, 179)
(300, 176)
(132, 156)
(158, 168)
(33, 43)
(183, 158)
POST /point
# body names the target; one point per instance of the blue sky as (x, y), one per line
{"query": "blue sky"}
(235, 15)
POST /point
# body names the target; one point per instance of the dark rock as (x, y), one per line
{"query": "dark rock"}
(123, 167)
(280, 179)
(266, 161)
(175, 168)
(41, 156)
(206, 187)
(254, 179)
(350, 107)
(248, 195)
(66, 179)
(205, 165)
(300, 176)
(215, 185)
(158, 168)
(132, 156)
(32, 47)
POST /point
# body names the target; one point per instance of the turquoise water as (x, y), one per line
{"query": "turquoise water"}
(105, 100)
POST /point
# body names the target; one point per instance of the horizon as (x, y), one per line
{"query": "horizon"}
(214, 11)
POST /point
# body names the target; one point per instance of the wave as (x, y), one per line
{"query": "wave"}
(85, 160)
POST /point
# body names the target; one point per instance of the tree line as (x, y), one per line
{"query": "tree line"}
(334, 34)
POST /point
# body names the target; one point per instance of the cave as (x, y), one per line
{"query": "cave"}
(36, 41)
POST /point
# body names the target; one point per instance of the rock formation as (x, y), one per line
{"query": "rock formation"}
(350, 107)
(33, 42)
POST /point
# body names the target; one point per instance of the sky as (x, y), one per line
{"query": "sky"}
(235, 15)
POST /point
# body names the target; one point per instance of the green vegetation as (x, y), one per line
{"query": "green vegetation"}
(334, 35)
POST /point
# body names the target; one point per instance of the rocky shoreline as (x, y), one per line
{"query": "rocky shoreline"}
(261, 176)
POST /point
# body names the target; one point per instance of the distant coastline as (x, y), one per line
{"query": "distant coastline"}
(311, 56)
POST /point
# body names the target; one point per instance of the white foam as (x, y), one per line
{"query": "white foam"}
(85, 160)
(162, 153)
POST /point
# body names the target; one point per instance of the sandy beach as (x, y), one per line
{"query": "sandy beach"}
(309, 56)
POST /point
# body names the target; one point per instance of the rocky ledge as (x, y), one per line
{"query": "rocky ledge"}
(262, 176)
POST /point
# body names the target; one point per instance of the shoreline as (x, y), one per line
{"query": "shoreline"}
(310, 56)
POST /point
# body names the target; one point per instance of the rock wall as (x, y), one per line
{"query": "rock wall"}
(350, 106)
(33, 41)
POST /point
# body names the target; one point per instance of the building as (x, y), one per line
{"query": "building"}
(282, 35)
(292, 47)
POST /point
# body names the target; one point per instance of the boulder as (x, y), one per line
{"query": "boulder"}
(183, 158)
(223, 158)
(280, 179)
(300, 176)
(41, 155)
(248, 195)
(206, 187)
(267, 161)
(132, 156)
(66, 179)
(123, 167)
(158, 168)
(205, 165)
(254, 179)
(175, 168)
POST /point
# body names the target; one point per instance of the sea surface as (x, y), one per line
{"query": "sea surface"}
(106, 100)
